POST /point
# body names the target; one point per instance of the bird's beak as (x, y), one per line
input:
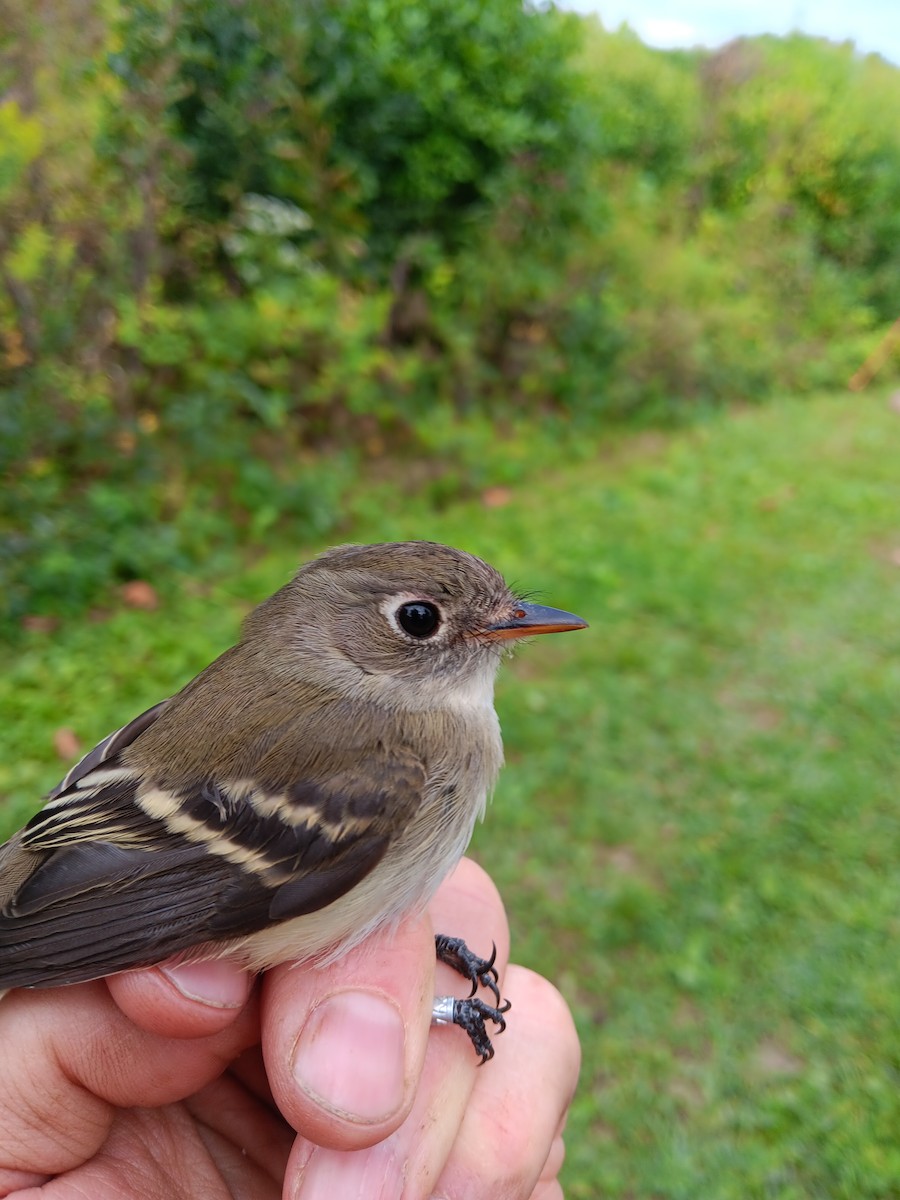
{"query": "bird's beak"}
(529, 619)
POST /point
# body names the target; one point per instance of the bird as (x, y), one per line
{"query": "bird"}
(313, 784)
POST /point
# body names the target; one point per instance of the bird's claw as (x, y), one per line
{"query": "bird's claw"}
(471, 1014)
(480, 972)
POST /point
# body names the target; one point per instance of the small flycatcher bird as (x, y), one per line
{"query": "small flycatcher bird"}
(316, 782)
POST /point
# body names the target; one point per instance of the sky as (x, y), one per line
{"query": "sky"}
(874, 25)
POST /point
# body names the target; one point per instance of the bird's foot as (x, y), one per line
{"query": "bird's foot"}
(472, 1013)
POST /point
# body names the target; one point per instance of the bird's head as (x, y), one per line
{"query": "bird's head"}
(414, 624)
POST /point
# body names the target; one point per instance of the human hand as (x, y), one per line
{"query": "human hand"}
(192, 1081)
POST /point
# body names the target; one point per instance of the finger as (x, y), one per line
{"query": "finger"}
(548, 1191)
(242, 1131)
(411, 1159)
(164, 1152)
(183, 1000)
(508, 1146)
(555, 1159)
(344, 1043)
(71, 1057)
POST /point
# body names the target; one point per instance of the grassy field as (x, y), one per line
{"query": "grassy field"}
(698, 828)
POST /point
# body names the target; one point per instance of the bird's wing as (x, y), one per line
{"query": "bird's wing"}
(117, 873)
(111, 746)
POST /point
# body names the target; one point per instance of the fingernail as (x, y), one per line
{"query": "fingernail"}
(217, 983)
(350, 1058)
(374, 1173)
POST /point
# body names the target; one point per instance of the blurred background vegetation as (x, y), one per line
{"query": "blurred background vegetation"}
(236, 237)
(274, 275)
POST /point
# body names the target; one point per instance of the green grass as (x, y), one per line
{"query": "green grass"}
(698, 829)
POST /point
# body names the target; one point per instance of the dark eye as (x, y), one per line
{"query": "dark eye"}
(419, 619)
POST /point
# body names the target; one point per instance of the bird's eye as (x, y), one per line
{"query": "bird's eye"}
(418, 619)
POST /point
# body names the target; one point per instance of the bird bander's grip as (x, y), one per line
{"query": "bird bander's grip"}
(313, 784)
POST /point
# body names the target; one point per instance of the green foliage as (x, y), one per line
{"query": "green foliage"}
(432, 105)
(646, 106)
(749, 190)
(796, 125)
(56, 250)
(73, 522)
(235, 235)
(21, 142)
(696, 829)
